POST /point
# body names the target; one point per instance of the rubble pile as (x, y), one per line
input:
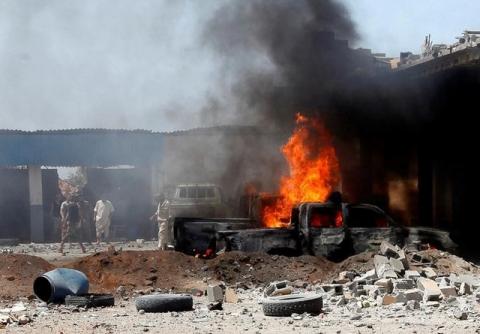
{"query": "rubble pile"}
(407, 281)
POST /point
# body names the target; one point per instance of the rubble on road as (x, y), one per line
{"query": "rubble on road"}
(411, 281)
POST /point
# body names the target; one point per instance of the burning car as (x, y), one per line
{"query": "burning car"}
(319, 229)
(307, 216)
(332, 231)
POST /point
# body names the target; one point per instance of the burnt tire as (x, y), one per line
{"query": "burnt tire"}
(285, 306)
(164, 303)
(90, 300)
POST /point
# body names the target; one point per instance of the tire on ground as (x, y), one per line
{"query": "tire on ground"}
(285, 306)
(90, 300)
(164, 303)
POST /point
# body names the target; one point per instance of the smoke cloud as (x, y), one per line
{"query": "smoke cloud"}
(165, 65)
(279, 57)
(102, 64)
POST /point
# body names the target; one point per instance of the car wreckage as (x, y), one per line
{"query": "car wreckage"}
(334, 231)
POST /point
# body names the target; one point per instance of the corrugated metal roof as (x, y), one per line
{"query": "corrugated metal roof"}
(96, 147)
(99, 148)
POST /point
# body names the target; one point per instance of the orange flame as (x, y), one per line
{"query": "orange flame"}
(314, 170)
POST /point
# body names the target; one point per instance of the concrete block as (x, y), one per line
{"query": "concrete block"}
(403, 258)
(442, 281)
(448, 291)
(397, 265)
(429, 273)
(403, 284)
(381, 264)
(412, 274)
(390, 274)
(431, 291)
(413, 294)
(386, 283)
(388, 299)
(465, 289)
(389, 250)
(214, 293)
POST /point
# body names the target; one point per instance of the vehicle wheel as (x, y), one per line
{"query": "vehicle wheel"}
(284, 306)
(90, 300)
(164, 303)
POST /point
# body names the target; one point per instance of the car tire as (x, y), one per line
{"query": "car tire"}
(90, 300)
(164, 303)
(285, 306)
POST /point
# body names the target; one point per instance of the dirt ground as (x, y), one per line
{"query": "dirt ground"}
(140, 269)
(244, 317)
(17, 272)
(144, 269)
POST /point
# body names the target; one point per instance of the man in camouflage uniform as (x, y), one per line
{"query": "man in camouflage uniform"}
(71, 222)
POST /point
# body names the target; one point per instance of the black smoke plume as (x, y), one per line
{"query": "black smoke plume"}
(280, 56)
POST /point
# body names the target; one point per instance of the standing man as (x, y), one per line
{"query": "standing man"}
(71, 222)
(103, 217)
(162, 215)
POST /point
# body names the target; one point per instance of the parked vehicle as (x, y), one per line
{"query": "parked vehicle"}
(197, 200)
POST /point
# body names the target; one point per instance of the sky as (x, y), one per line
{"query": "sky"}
(141, 64)
(393, 26)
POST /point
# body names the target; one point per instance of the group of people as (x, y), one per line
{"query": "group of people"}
(74, 220)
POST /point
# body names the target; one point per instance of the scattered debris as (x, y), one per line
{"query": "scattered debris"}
(215, 306)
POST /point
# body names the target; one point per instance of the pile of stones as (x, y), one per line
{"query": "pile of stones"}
(392, 281)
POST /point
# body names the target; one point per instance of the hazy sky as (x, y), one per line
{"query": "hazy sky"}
(139, 64)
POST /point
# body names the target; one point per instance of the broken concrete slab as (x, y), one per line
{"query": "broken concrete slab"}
(403, 258)
(429, 273)
(397, 265)
(389, 250)
(381, 264)
(278, 289)
(368, 276)
(430, 289)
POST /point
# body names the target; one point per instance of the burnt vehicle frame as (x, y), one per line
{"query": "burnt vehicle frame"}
(363, 228)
